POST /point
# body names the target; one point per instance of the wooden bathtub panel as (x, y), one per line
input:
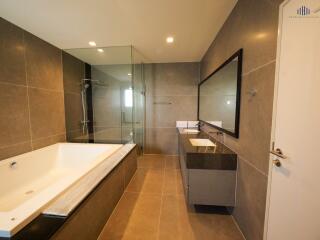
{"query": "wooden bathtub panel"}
(87, 221)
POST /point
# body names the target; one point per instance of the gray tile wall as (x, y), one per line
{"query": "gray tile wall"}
(73, 73)
(252, 25)
(31, 92)
(174, 83)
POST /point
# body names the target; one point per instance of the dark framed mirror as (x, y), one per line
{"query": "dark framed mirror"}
(219, 96)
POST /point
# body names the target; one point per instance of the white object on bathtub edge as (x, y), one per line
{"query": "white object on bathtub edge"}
(67, 202)
(34, 183)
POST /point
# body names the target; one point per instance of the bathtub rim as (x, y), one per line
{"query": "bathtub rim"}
(26, 214)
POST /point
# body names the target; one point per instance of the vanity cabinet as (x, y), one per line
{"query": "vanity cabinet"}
(209, 176)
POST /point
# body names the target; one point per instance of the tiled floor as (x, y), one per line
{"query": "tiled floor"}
(153, 207)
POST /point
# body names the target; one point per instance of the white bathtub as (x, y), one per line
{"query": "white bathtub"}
(31, 181)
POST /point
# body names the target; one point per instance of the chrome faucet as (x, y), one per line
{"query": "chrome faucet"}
(13, 164)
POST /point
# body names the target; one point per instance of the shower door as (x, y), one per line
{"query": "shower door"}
(139, 105)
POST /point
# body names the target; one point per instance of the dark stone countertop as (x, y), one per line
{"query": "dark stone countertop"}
(218, 158)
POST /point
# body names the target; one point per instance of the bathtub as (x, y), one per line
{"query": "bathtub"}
(31, 181)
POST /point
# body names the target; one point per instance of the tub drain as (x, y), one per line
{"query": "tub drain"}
(28, 192)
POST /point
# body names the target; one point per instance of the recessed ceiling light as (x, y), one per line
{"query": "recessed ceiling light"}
(92, 43)
(170, 39)
(129, 74)
(100, 50)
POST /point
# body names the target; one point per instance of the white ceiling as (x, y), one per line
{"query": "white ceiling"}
(110, 55)
(145, 24)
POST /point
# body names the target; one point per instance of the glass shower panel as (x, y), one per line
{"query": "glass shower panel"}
(109, 98)
(138, 99)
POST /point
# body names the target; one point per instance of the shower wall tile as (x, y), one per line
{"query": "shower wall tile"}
(43, 63)
(161, 141)
(164, 111)
(46, 113)
(172, 79)
(171, 95)
(107, 134)
(73, 111)
(73, 73)
(12, 65)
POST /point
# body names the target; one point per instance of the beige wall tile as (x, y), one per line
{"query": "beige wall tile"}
(35, 64)
(251, 199)
(252, 26)
(12, 50)
(43, 142)
(161, 141)
(256, 117)
(172, 79)
(14, 115)
(43, 64)
(73, 111)
(166, 115)
(15, 149)
(73, 73)
(174, 83)
(46, 113)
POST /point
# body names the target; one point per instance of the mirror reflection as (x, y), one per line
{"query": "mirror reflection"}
(218, 96)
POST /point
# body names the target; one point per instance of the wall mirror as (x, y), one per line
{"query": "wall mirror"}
(219, 96)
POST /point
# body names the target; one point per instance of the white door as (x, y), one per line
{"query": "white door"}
(294, 187)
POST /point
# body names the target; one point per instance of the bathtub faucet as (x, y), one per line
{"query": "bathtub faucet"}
(13, 165)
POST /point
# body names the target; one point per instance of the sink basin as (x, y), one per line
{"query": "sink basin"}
(187, 130)
(197, 142)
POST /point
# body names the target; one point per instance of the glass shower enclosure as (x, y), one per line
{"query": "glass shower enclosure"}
(104, 95)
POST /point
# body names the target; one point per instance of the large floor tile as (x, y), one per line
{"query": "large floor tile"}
(154, 207)
(135, 217)
(147, 181)
(177, 222)
(152, 161)
(172, 162)
(172, 182)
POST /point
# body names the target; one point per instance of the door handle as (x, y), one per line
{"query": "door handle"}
(278, 153)
(277, 163)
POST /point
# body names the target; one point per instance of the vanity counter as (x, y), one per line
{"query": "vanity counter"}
(209, 174)
(219, 157)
